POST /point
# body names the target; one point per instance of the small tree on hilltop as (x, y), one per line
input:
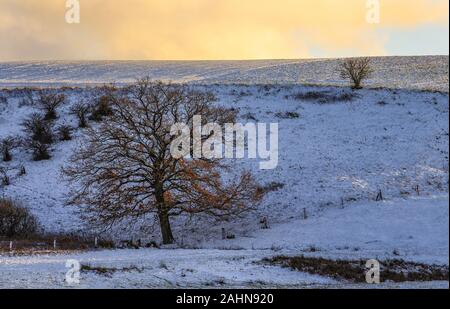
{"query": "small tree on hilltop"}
(356, 69)
(125, 169)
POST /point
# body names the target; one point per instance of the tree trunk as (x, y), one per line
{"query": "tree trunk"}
(163, 214)
(166, 231)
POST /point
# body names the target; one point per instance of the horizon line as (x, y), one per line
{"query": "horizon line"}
(218, 60)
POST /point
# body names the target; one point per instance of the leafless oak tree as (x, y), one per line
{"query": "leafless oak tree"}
(124, 168)
(356, 69)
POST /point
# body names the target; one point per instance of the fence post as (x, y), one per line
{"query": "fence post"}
(224, 235)
(54, 244)
(379, 196)
(10, 245)
(96, 242)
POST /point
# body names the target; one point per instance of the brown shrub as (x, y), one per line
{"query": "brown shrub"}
(64, 132)
(355, 270)
(16, 220)
(101, 108)
(49, 103)
(40, 136)
(7, 144)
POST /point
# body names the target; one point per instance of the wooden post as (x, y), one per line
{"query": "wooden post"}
(96, 242)
(264, 223)
(54, 244)
(224, 235)
(10, 246)
(305, 216)
(379, 196)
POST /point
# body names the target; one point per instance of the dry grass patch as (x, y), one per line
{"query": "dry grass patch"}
(107, 271)
(355, 270)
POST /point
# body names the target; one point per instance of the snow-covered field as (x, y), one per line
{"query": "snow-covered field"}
(333, 160)
(153, 268)
(412, 230)
(430, 72)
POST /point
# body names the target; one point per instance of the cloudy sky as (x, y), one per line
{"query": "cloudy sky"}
(220, 29)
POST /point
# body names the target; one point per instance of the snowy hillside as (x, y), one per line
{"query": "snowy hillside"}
(338, 149)
(331, 154)
(427, 72)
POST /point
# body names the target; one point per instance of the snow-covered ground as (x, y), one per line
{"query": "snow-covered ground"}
(414, 230)
(181, 268)
(155, 268)
(427, 72)
(333, 160)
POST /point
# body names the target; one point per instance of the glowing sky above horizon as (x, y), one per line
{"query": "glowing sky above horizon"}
(220, 29)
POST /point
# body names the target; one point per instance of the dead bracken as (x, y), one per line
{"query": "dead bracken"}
(355, 270)
(108, 271)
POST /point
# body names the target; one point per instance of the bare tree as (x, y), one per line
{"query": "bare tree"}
(28, 98)
(125, 169)
(4, 178)
(49, 102)
(7, 144)
(64, 132)
(80, 110)
(356, 69)
(40, 136)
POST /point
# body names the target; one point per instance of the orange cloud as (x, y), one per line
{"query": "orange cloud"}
(204, 29)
